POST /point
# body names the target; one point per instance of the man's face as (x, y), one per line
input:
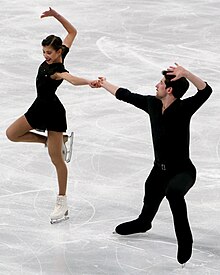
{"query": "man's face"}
(161, 89)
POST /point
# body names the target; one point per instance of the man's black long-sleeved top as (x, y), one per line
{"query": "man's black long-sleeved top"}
(170, 130)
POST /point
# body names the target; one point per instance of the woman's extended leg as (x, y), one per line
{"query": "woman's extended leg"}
(54, 142)
(19, 131)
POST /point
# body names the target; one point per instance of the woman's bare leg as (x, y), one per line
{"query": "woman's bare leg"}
(54, 143)
(19, 131)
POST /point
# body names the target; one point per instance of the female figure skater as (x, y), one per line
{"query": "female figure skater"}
(47, 112)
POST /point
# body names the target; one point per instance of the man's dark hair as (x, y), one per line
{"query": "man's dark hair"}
(180, 86)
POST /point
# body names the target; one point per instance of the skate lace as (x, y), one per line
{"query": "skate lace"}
(60, 202)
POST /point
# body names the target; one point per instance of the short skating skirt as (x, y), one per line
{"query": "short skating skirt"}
(47, 114)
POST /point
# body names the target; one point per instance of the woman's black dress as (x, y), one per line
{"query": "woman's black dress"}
(47, 112)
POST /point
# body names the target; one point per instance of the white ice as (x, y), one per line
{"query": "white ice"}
(129, 42)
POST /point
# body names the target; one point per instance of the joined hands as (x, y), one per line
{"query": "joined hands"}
(97, 83)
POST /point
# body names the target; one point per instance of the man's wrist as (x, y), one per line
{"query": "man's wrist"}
(187, 74)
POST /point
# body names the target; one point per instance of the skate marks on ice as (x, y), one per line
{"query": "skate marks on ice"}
(149, 254)
(82, 244)
(102, 169)
(218, 150)
(136, 56)
(85, 242)
(29, 244)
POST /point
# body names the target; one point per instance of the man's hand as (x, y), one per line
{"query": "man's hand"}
(178, 71)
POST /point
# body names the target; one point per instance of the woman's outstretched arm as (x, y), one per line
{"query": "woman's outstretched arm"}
(75, 80)
(71, 31)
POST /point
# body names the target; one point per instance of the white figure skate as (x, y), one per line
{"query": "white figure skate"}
(60, 212)
(67, 148)
(64, 151)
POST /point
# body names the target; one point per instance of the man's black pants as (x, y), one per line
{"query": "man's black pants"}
(172, 183)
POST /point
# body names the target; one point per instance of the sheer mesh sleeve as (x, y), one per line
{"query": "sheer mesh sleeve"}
(65, 51)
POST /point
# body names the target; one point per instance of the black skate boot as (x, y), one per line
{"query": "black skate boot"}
(184, 251)
(132, 227)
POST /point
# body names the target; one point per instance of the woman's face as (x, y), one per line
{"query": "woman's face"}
(51, 55)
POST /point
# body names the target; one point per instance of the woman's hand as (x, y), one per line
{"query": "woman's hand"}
(48, 13)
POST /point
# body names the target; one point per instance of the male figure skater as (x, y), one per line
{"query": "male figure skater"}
(173, 173)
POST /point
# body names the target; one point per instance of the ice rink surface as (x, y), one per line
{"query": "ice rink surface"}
(129, 42)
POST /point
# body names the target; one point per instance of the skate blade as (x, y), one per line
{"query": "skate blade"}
(66, 217)
(69, 152)
(64, 151)
(59, 220)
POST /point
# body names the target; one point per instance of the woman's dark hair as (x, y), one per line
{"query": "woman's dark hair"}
(180, 86)
(53, 41)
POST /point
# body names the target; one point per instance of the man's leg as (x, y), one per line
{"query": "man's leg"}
(154, 194)
(176, 190)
